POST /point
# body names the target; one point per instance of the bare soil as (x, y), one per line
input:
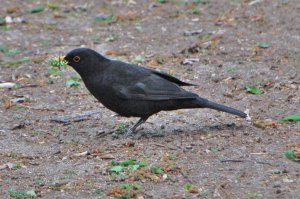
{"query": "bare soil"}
(201, 153)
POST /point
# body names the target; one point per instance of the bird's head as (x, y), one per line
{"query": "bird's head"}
(84, 60)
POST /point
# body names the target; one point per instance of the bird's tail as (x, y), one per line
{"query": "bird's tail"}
(220, 107)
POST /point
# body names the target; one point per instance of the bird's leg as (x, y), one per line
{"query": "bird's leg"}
(132, 129)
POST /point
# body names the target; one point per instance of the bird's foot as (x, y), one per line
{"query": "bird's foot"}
(128, 133)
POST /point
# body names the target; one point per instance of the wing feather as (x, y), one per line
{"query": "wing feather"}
(153, 87)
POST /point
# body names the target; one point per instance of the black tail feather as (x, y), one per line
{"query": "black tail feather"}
(220, 107)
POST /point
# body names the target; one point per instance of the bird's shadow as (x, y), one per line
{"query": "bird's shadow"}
(155, 132)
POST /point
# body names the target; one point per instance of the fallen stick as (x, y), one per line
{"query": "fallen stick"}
(234, 160)
(74, 117)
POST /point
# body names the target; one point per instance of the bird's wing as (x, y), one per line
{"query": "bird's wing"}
(153, 87)
(171, 78)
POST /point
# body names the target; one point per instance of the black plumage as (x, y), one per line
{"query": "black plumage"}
(135, 91)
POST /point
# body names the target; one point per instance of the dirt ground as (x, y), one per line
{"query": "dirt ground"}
(179, 154)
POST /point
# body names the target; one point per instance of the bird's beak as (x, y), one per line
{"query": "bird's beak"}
(61, 60)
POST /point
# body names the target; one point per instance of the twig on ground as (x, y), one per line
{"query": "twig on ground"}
(235, 160)
(74, 117)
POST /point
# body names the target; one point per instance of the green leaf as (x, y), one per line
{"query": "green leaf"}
(57, 62)
(31, 193)
(162, 1)
(291, 118)
(21, 194)
(121, 127)
(213, 149)
(262, 45)
(137, 59)
(134, 167)
(2, 21)
(73, 82)
(9, 52)
(128, 162)
(114, 163)
(138, 26)
(116, 169)
(142, 164)
(98, 191)
(104, 19)
(253, 195)
(156, 170)
(52, 6)
(126, 186)
(110, 38)
(253, 90)
(54, 72)
(17, 166)
(200, 1)
(187, 186)
(125, 196)
(291, 155)
(222, 159)
(36, 9)
(137, 186)
(16, 62)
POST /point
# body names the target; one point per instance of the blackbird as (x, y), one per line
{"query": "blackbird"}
(134, 91)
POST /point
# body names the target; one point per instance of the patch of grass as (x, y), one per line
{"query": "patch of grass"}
(253, 194)
(97, 38)
(17, 166)
(290, 154)
(194, 11)
(98, 191)
(110, 38)
(253, 89)
(125, 196)
(230, 70)
(137, 59)
(13, 155)
(57, 62)
(54, 131)
(212, 148)
(138, 26)
(162, 1)
(222, 159)
(156, 170)
(130, 186)
(126, 165)
(116, 169)
(70, 171)
(262, 45)
(2, 21)
(291, 118)
(175, 14)
(128, 162)
(190, 188)
(5, 28)
(9, 51)
(206, 36)
(121, 127)
(36, 133)
(37, 9)
(54, 69)
(73, 81)
(52, 5)
(22, 194)
(200, 1)
(15, 62)
(104, 19)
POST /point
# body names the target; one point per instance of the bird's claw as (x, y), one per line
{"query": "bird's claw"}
(128, 133)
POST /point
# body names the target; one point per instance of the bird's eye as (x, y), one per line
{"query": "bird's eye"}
(76, 59)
